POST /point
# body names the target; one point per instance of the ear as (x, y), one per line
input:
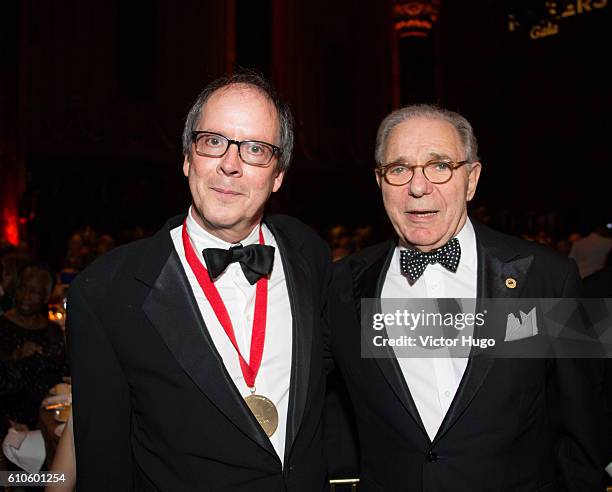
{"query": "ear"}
(379, 178)
(473, 176)
(186, 165)
(278, 181)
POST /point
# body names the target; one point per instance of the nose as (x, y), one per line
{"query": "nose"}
(419, 185)
(231, 164)
(29, 295)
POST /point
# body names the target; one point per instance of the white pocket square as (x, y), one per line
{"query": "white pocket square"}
(525, 328)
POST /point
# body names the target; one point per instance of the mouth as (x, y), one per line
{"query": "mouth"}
(225, 191)
(422, 213)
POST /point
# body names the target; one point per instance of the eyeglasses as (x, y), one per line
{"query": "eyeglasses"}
(437, 172)
(252, 152)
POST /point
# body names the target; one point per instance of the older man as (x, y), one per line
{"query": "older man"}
(461, 424)
(197, 354)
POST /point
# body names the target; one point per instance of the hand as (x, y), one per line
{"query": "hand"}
(27, 350)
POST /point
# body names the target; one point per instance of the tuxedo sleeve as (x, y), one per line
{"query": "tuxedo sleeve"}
(577, 404)
(326, 295)
(101, 402)
(327, 334)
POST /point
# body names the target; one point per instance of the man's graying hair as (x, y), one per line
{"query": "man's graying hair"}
(463, 127)
(255, 81)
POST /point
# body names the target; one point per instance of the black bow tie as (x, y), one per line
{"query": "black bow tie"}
(413, 262)
(255, 260)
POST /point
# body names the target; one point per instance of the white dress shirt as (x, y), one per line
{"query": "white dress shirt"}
(433, 382)
(239, 298)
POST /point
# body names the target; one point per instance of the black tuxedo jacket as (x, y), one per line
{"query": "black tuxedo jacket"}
(154, 407)
(514, 425)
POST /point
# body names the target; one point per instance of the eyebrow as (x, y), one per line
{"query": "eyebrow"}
(245, 140)
(443, 157)
(433, 156)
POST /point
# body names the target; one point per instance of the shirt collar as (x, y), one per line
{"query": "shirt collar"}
(467, 241)
(203, 239)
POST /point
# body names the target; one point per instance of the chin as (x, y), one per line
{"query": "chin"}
(223, 222)
(423, 239)
(216, 218)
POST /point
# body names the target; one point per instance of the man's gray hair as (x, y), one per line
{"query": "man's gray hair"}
(463, 127)
(259, 83)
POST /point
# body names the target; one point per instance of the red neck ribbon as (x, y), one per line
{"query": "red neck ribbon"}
(258, 333)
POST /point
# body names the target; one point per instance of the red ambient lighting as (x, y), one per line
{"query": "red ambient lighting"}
(10, 226)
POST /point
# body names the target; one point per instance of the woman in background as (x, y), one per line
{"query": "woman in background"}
(33, 348)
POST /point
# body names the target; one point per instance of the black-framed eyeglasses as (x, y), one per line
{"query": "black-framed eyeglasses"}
(437, 171)
(252, 152)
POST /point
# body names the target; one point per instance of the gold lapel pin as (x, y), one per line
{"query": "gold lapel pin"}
(510, 283)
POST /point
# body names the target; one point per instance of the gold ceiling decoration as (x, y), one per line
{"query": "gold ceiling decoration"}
(415, 17)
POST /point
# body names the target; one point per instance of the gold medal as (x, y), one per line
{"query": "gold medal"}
(264, 411)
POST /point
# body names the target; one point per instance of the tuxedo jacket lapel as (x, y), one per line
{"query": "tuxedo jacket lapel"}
(172, 309)
(300, 299)
(496, 263)
(369, 284)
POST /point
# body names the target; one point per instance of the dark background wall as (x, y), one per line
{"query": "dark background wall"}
(540, 107)
(94, 96)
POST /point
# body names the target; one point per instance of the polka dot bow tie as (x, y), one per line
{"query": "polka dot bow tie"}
(413, 262)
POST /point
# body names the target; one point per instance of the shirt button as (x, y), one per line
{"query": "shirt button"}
(447, 394)
(431, 457)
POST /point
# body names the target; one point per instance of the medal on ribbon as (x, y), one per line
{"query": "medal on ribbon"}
(262, 408)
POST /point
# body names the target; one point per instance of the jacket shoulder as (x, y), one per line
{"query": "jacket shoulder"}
(354, 264)
(290, 224)
(551, 271)
(296, 230)
(521, 247)
(372, 253)
(105, 270)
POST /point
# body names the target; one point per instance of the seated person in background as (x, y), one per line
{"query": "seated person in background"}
(340, 241)
(104, 245)
(32, 347)
(591, 251)
(564, 246)
(10, 264)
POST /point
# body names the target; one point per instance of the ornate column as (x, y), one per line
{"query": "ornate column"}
(414, 23)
